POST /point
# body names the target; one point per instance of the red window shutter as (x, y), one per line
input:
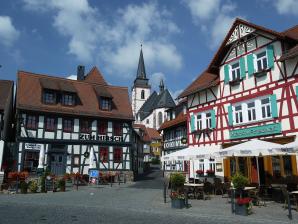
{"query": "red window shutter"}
(118, 153)
(104, 155)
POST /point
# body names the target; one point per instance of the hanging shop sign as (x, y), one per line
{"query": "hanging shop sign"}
(155, 144)
(268, 129)
(183, 140)
(104, 138)
(33, 146)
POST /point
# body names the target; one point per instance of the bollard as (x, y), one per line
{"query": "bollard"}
(164, 192)
(289, 207)
(232, 200)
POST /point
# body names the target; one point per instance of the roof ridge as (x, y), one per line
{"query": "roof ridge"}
(69, 80)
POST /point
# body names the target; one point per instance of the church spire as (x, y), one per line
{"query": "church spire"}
(141, 73)
(161, 86)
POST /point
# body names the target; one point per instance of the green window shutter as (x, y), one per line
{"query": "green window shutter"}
(227, 74)
(242, 67)
(250, 64)
(230, 115)
(213, 121)
(273, 105)
(297, 92)
(270, 56)
(192, 123)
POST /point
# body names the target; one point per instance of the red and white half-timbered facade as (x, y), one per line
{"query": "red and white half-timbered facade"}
(249, 90)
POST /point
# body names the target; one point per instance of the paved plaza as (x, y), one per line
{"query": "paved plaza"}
(139, 202)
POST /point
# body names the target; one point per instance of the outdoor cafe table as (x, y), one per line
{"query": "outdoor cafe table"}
(295, 193)
(195, 188)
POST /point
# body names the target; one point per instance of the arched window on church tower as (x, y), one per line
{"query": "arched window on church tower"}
(143, 94)
(159, 118)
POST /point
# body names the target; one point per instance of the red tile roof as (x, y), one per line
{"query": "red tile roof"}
(95, 77)
(292, 32)
(179, 120)
(29, 95)
(153, 133)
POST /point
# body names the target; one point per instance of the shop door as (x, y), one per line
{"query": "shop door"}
(58, 164)
(254, 171)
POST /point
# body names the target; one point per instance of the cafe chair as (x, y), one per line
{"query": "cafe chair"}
(288, 198)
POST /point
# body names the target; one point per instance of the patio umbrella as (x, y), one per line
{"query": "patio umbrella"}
(252, 148)
(292, 147)
(92, 160)
(192, 153)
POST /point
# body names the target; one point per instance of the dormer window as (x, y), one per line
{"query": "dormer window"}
(68, 99)
(105, 103)
(49, 97)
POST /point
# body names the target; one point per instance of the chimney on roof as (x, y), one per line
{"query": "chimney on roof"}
(81, 72)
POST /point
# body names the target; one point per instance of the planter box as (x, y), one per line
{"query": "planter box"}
(241, 209)
(178, 203)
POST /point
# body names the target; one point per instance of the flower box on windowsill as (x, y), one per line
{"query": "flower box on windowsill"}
(235, 82)
(261, 72)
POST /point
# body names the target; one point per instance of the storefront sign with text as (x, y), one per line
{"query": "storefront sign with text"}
(104, 138)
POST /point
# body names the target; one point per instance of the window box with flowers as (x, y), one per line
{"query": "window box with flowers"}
(210, 173)
(243, 206)
(200, 173)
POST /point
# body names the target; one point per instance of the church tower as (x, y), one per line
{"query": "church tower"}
(141, 89)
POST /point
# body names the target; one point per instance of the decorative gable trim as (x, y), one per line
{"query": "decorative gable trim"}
(239, 32)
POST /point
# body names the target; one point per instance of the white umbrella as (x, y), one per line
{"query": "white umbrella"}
(252, 148)
(92, 160)
(192, 153)
(292, 146)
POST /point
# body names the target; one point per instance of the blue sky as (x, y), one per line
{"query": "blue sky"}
(179, 37)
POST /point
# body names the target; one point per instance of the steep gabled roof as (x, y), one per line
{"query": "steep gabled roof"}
(95, 76)
(29, 95)
(179, 120)
(6, 88)
(162, 100)
(153, 134)
(207, 78)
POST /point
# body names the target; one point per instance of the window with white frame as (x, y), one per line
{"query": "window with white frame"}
(251, 110)
(235, 71)
(238, 114)
(208, 120)
(199, 121)
(262, 61)
(266, 107)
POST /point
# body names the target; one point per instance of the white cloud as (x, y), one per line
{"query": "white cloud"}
(214, 17)
(286, 7)
(8, 33)
(115, 40)
(155, 80)
(73, 77)
(202, 9)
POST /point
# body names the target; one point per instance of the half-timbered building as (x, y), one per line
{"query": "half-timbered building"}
(6, 128)
(174, 135)
(249, 90)
(61, 121)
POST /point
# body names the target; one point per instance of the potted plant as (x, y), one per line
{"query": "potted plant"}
(177, 195)
(210, 173)
(24, 187)
(239, 181)
(200, 173)
(243, 206)
(33, 186)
